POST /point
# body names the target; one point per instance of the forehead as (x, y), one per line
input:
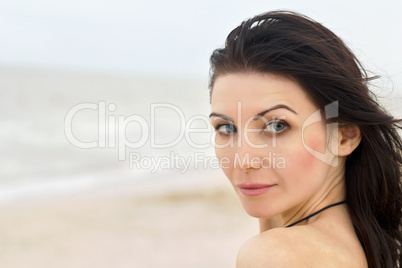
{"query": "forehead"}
(256, 91)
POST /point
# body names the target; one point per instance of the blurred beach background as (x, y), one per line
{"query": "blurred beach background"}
(143, 66)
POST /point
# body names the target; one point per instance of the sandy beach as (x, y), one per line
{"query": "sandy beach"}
(197, 227)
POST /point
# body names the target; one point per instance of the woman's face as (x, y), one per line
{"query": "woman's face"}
(259, 122)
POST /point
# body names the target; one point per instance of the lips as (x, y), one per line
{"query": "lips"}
(254, 189)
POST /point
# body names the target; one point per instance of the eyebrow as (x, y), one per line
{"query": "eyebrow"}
(279, 106)
(259, 115)
(227, 118)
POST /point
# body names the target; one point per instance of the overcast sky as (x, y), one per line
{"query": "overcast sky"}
(175, 38)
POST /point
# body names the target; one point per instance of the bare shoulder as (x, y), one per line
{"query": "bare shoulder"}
(269, 249)
(301, 246)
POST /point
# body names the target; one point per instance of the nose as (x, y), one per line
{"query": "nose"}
(247, 155)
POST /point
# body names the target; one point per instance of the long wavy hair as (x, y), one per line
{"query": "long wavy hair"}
(293, 45)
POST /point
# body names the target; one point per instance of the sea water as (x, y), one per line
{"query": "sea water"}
(64, 131)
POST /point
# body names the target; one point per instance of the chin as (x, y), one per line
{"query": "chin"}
(257, 215)
(258, 210)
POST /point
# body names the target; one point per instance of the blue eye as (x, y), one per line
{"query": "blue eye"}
(276, 126)
(226, 129)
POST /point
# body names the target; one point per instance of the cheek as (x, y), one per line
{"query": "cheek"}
(315, 137)
(300, 161)
(225, 157)
(222, 153)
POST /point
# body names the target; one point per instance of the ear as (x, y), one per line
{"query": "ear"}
(349, 139)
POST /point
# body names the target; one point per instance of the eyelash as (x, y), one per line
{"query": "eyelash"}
(217, 129)
(270, 123)
(267, 125)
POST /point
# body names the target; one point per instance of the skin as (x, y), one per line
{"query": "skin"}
(270, 150)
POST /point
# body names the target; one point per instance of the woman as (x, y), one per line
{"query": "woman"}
(324, 185)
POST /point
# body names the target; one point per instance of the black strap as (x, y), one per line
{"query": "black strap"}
(315, 213)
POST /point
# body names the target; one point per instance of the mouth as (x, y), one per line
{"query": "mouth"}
(254, 189)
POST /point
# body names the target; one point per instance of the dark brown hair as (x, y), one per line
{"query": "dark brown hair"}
(293, 45)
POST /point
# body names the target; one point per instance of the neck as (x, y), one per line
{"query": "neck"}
(332, 191)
